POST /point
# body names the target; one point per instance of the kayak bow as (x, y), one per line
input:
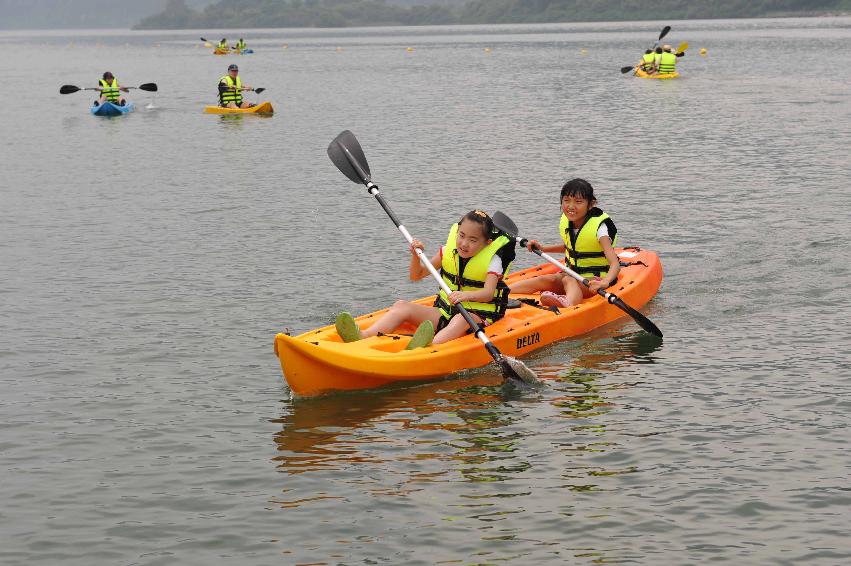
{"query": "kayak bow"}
(110, 109)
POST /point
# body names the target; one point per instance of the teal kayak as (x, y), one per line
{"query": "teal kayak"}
(110, 109)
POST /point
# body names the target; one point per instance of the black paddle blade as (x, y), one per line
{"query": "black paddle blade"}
(259, 90)
(639, 318)
(504, 224)
(204, 40)
(150, 87)
(665, 31)
(625, 70)
(68, 89)
(345, 152)
(512, 368)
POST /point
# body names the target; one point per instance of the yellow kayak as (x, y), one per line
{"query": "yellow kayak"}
(318, 361)
(262, 108)
(640, 73)
(218, 51)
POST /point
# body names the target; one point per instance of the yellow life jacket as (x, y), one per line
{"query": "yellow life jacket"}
(226, 96)
(668, 63)
(648, 61)
(110, 91)
(240, 45)
(471, 276)
(223, 45)
(583, 252)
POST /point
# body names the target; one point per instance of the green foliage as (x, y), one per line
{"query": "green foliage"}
(340, 13)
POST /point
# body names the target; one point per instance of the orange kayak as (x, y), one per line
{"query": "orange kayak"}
(319, 362)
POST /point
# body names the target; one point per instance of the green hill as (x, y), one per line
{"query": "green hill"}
(342, 13)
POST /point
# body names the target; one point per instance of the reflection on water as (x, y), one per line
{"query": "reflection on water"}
(488, 452)
(474, 415)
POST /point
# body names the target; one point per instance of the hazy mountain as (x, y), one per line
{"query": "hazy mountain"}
(45, 14)
(342, 13)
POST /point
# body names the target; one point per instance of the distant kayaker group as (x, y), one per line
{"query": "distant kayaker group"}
(230, 90)
(661, 60)
(224, 48)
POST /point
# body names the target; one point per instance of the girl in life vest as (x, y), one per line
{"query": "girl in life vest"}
(589, 236)
(110, 91)
(473, 262)
(648, 62)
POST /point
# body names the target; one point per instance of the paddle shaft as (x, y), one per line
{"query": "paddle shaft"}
(424, 260)
(372, 188)
(611, 298)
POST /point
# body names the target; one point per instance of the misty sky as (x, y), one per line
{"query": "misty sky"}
(46, 14)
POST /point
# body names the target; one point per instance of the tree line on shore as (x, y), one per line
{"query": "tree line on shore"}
(345, 13)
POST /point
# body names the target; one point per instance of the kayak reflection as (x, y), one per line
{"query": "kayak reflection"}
(467, 420)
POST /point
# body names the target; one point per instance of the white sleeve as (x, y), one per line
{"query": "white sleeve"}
(495, 265)
(602, 231)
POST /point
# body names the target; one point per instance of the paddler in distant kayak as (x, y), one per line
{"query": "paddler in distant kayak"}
(589, 237)
(657, 56)
(648, 62)
(223, 45)
(668, 61)
(230, 90)
(110, 91)
(473, 262)
(240, 45)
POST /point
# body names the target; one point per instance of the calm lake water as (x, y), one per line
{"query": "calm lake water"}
(148, 261)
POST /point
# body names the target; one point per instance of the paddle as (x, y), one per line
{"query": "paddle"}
(682, 47)
(255, 90)
(505, 224)
(662, 34)
(68, 89)
(346, 153)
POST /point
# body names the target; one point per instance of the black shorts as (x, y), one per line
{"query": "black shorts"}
(444, 322)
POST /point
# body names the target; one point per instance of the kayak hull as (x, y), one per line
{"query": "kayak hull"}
(318, 362)
(110, 109)
(232, 52)
(261, 108)
(641, 74)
